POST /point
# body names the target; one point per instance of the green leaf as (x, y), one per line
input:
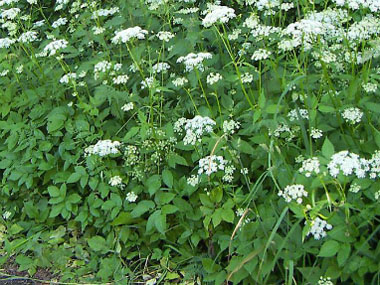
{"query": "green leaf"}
(228, 215)
(167, 177)
(56, 122)
(74, 177)
(343, 254)
(329, 248)
(142, 207)
(74, 198)
(327, 148)
(160, 222)
(164, 197)
(169, 209)
(153, 183)
(124, 218)
(97, 243)
(54, 191)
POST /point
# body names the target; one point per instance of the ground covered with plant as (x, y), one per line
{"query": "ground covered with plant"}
(191, 142)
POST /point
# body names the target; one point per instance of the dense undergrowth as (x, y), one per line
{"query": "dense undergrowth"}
(158, 140)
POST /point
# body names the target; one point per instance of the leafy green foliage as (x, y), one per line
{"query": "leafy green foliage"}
(148, 141)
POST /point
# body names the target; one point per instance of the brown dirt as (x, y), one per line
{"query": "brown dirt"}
(21, 277)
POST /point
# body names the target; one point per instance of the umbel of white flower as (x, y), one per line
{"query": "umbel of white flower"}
(194, 128)
(211, 164)
(293, 192)
(318, 228)
(218, 14)
(128, 34)
(55, 46)
(103, 148)
(194, 60)
(349, 163)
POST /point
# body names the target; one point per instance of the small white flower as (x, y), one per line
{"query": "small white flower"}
(309, 166)
(193, 60)
(116, 181)
(354, 188)
(128, 34)
(213, 78)
(193, 180)
(261, 54)
(211, 164)
(53, 47)
(180, 81)
(318, 228)
(293, 192)
(103, 148)
(59, 22)
(218, 14)
(298, 114)
(352, 115)
(127, 107)
(165, 36)
(316, 133)
(229, 127)
(131, 197)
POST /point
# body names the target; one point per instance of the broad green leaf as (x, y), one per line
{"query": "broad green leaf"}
(329, 248)
(97, 243)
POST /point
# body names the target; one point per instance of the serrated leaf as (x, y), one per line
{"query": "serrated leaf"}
(74, 177)
(329, 248)
(97, 243)
(142, 207)
(167, 177)
(327, 148)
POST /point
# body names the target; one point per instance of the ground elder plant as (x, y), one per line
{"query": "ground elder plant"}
(205, 142)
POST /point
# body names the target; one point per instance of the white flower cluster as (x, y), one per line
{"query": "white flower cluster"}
(160, 67)
(180, 81)
(131, 197)
(68, 78)
(373, 5)
(228, 173)
(103, 148)
(318, 228)
(246, 78)
(104, 12)
(213, 78)
(6, 42)
(309, 166)
(10, 14)
(59, 22)
(128, 34)
(260, 54)
(316, 133)
(352, 115)
(194, 60)
(298, 114)
(28, 37)
(218, 14)
(211, 164)
(348, 163)
(101, 67)
(120, 79)
(193, 180)
(229, 127)
(116, 181)
(325, 281)
(52, 48)
(369, 87)
(195, 128)
(293, 192)
(354, 188)
(127, 107)
(165, 36)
